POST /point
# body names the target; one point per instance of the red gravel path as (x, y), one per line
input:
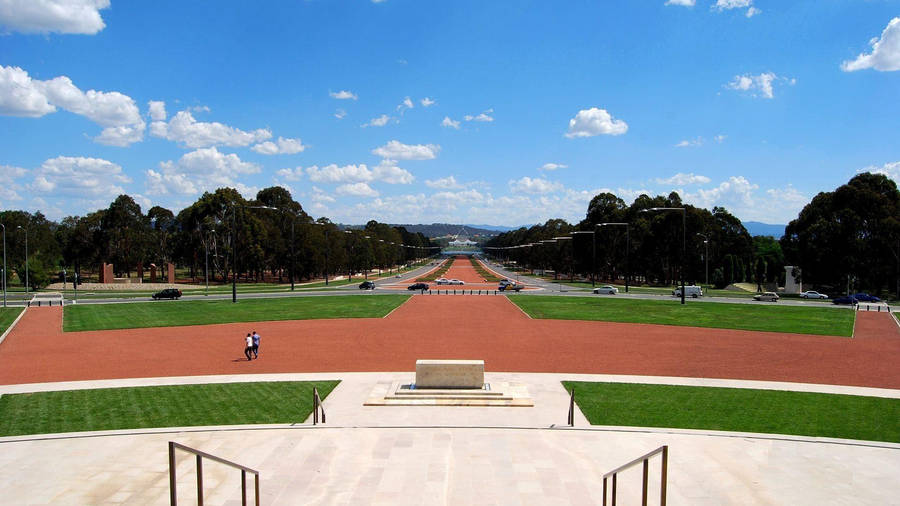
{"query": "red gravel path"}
(482, 327)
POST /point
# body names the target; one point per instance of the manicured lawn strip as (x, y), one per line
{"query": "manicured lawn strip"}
(201, 312)
(762, 317)
(487, 275)
(739, 410)
(439, 272)
(7, 316)
(159, 406)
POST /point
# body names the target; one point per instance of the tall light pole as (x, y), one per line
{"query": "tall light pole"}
(683, 238)
(593, 251)
(4, 264)
(26, 259)
(627, 246)
(233, 253)
(706, 256)
(326, 248)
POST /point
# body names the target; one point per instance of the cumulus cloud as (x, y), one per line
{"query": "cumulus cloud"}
(885, 55)
(407, 103)
(760, 85)
(553, 166)
(386, 172)
(185, 129)
(427, 102)
(690, 143)
(79, 176)
(683, 3)
(59, 16)
(594, 121)
(356, 190)
(20, 95)
(9, 186)
(724, 5)
(198, 171)
(343, 95)
(319, 195)
(683, 179)
(340, 114)
(157, 110)
(380, 121)
(737, 191)
(484, 117)
(295, 174)
(535, 185)
(890, 169)
(449, 123)
(444, 183)
(280, 147)
(396, 150)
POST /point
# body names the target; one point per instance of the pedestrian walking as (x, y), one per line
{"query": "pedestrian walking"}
(255, 337)
(248, 349)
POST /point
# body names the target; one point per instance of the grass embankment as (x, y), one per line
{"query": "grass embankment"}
(772, 318)
(486, 274)
(159, 406)
(7, 316)
(439, 272)
(201, 312)
(739, 410)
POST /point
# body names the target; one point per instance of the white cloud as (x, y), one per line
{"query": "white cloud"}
(444, 183)
(690, 143)
(553, 166)
(594, 121)
(396, 150)
(79, 176)
(736, 192)
(407, 103)
(720, 138)
(318, 195)
(427, 102)
(280, 147)
(752, 11)
(356, 190)
(885, 55)
(185, 129)
(681, 179)
(759, 85)
(20, 95)
(450, 123)
(890, 169)
(683, 3)
(157, 110)
(388, 172)
(380, 121)
(340, 114)
(343, 95)
(483, 117)
(9, 187)
(60, 16)
(723, 5)
(201, 170)
(535, 185)
(295, 174)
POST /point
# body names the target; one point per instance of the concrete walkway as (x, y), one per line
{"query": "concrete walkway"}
(439, 455)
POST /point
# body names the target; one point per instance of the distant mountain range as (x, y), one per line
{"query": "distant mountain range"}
(756, 228)
(444, 229)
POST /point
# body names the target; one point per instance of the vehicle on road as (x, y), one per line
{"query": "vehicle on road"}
(456, 282)
(418, 286)
(606, 290)
(504, 282)
(864, 297)
(845, 300)
(689, 291)
(442, 281)
(367, 285)
(510, 286)
(766, 297)
(812, 294)
(168, 293)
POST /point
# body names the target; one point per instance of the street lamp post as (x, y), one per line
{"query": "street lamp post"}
(683, 238)
(4, 264)
(26, 259)
(233, 253)
(706, 257)
(627, 246)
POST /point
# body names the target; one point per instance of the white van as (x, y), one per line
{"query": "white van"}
(689, 291)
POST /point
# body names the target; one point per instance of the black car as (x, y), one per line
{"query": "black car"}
(168, 293)
(367, 285)
(509, 287)
(849, 299)
(418, 286)
(864, 297)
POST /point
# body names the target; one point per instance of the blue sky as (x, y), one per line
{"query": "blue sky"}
(410, 111)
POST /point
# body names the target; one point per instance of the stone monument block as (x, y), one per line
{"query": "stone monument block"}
(449, 373)
(106, 273)
(170, 273)
(792, 281)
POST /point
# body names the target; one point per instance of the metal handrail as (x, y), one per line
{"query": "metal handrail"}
(173, 498)
(317, 405)
(571, 418)
(664, 467)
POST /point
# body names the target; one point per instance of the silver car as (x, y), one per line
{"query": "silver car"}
(606, 290)
(812, 294)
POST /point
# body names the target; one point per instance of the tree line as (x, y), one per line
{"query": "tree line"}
(271, 238)
(845, 240)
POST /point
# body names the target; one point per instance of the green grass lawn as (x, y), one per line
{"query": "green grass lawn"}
(793, 319)
(159, 406)
(7, 316)
(201, 312)
(739, 410)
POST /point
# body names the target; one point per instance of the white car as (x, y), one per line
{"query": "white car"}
(442, 281)
(456, 282)
(812, 294)
(606, 289)
(766, 297)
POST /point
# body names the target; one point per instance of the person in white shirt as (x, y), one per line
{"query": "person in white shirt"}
(248, 349)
